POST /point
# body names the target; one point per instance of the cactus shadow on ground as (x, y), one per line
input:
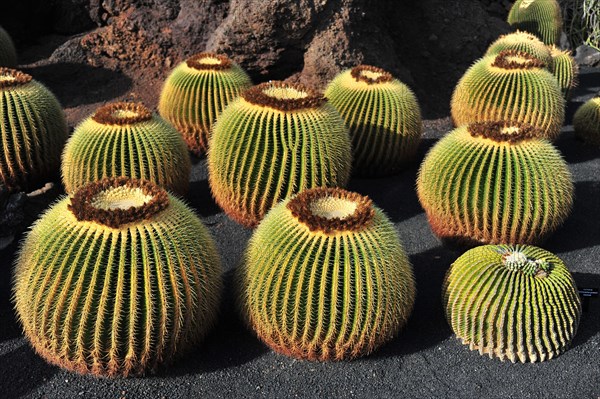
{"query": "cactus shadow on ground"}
(574, 149)
(25, 371)
(200, 198)
(589, 85)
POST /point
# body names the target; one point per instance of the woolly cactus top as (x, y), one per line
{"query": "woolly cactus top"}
(370, 74)
(518, 261)
(283, 96)
(11, 78)
(122, 113)
(331, 210)
(118, 201)
(504, 131)
(513, 59)
(209, 62)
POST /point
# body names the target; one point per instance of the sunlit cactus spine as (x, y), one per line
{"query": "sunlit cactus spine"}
(382, 115)
(197, 91)
(512, 302)
(512, 85)
(525, 42)
(566, 70)
(126, 139)
(117, 280)
(495, 182)
(8, 54)
(540, 17)
(325, 277)
(275, 140)
(33, 131)
(586, 121)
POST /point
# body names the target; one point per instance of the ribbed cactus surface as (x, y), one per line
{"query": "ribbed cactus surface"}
(325, 277)
(8, 54)
(495, 182)
(382, 115)
(540, 17)
(33, 131)
(512, 85)
(512, 302)
(117, 280)
(197, 91)
(525, 42)
(566, 70)
(586, 121)
(126, 139)
(275, 140)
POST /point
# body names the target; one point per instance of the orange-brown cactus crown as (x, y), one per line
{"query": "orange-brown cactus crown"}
(513, 59)
(283, 96)
(122, 113)
(370, 74)
(209, 62)
(12, 78)
(504, 131)
(116, 201)
(331, 210)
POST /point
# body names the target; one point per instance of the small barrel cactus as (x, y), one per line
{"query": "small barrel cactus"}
(117, 279)
(196, 92)
(525, 42)
(495, 182)
(33, 131)
(325, 277)
(512, 85)
(540, 17)
(586, 121)
(565, 71)
(275, 140)
(512, 302)
(126, 139)
(382, 115)
(8, 54)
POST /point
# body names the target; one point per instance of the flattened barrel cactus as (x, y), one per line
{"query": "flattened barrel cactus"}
(512, 302)
(8, 54)
(540, 17)
(196, 92)
(525, 42)
(382, 115)
(33, 131)
(566, 70)
(275, 140)
(325, 277)
(495, 182)
(586, 121)
(117, 280)
(126, 139)
(514, 86)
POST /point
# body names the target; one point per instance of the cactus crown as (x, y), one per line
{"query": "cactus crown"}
(526, 3)
(118, 201)
(122, 113)
(209, 62)
(504, 131)
(517, 261)
(513, 59)
(370, 74)
(11, 77)
(331, 210)
(283, 96)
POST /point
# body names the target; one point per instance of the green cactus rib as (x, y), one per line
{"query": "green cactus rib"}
(33, 131)
(566, 70)
(325, 277)
(8, 54)
(586, 121)
(126, 139)
(117, 301)
(512, 302)
(508, 187)
(525, 42)
(540, 17)
(509, 86)
(196, 92)
(275, 140)
(383, 118)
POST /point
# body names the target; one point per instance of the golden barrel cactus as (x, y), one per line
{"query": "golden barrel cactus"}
(8, 54)
(525, 42)
(540, 17)
(566, 70)
(586, 121)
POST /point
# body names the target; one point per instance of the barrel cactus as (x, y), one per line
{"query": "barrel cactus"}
(382, 115)
(275, 140)
(512, 302)
(512, 85)
(117, 279)
(197, 91)
(126, 139)
(8, 54)
(525, 42)
(566, 70)
(540, 17)
(495, 182)
(33, 131)
(325, 277)
(586, 121)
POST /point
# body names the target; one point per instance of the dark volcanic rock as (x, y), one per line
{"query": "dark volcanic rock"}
(587, 56)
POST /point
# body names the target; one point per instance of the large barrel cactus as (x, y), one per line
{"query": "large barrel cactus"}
(325, 277)
(275, 140)
(525, 42)
(540, 17)
(117, 279)
(566, 70)
(33, 131)
(512, 85)
(8, 54)
(586, 121)
(495, 182)
(512, 302)
(382, 115)
(197, 91)
(126, 139)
